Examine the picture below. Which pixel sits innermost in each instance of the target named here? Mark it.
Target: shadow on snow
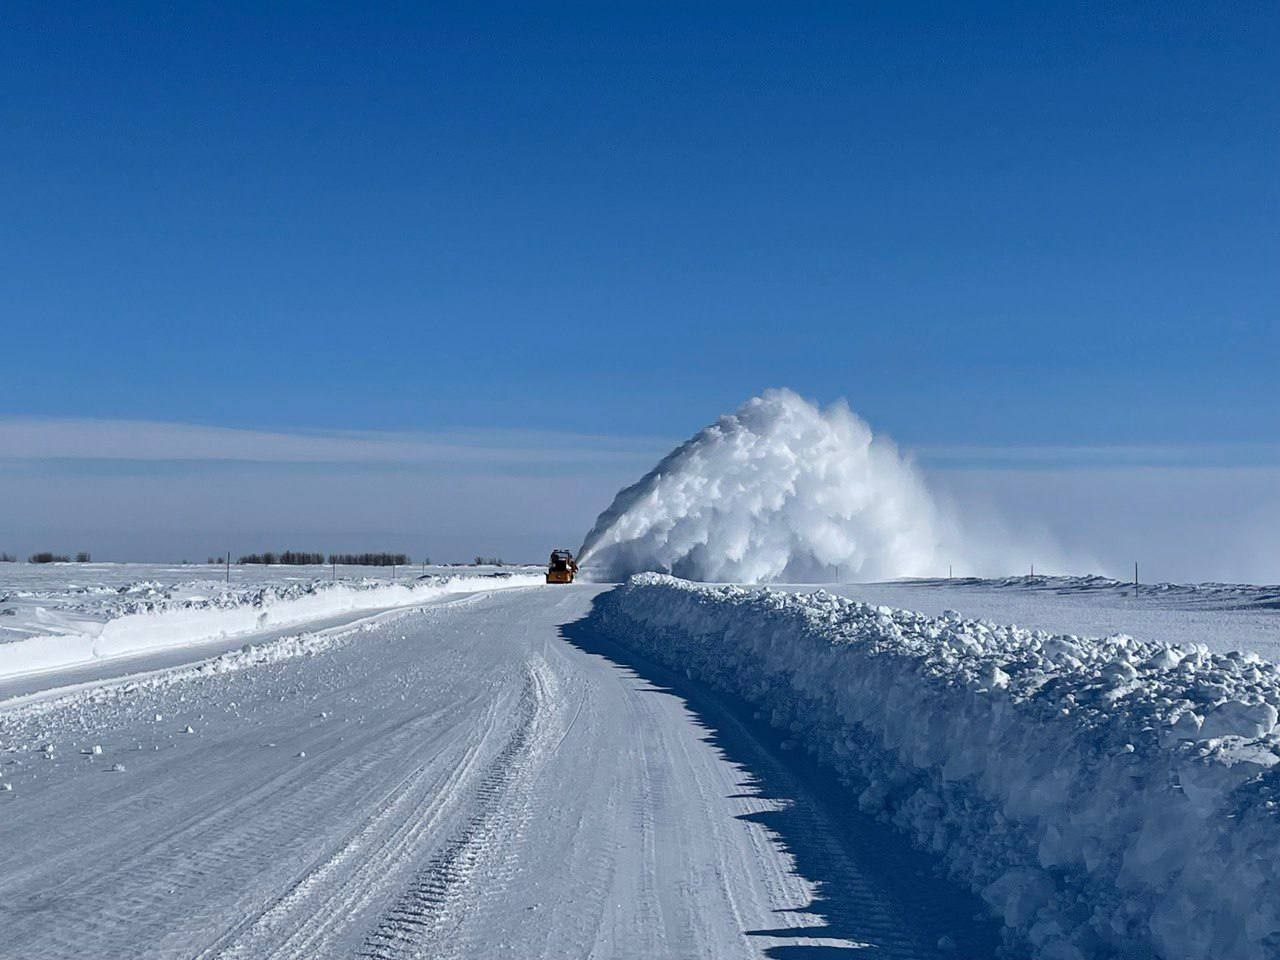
(855, 864)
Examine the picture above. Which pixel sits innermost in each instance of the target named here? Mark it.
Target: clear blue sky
(1003, 225)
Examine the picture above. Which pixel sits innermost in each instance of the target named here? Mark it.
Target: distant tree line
(290, 557)
(370, 559)
(7, 558)
(302, 557)
(488, 561)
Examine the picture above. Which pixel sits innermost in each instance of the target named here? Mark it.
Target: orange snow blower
(562, 567)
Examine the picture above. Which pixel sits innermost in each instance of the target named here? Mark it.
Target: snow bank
(150, 626)
(1107, 797)
(778, 490)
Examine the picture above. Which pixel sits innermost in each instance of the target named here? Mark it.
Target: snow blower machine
(562, 567)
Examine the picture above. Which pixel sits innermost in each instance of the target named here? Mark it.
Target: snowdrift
(1106, 797)
(236, 612)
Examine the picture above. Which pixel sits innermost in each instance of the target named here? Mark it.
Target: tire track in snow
(571, 917)
(429, 917)
(233, 840)
(300, 922)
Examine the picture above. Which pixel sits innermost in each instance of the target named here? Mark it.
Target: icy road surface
(476, 777)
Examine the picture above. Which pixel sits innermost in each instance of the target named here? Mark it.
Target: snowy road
(478, 777)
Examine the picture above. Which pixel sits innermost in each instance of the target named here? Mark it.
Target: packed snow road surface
(475, 777)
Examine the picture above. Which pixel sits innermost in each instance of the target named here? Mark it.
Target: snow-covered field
(55, 616)
(1223, 617)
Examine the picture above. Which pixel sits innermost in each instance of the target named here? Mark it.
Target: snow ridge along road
(482, 777)
(1108, 797)
(133, 629)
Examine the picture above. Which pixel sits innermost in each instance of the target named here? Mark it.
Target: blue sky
(1002, 227)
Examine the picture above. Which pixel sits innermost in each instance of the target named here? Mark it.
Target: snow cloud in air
(779, 490)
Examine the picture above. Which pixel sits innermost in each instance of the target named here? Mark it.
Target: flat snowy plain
(1223, 617)
(483, 772)
(56, 598)
(106, 619)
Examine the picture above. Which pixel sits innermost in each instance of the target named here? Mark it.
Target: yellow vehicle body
(562, 567)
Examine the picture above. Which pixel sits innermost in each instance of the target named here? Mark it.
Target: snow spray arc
(779, 490)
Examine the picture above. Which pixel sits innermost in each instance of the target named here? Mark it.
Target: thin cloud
(144, 440)
(1100, 457)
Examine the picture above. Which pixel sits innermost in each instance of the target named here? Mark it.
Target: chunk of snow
(1236, 719)
(995, 678)
(1164, 659)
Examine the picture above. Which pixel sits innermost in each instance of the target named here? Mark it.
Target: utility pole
(948, 571)
(335, 569)
(228, 566)
(1135, 573)
(1033, 569)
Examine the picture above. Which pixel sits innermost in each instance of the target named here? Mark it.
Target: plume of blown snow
(779, 490)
